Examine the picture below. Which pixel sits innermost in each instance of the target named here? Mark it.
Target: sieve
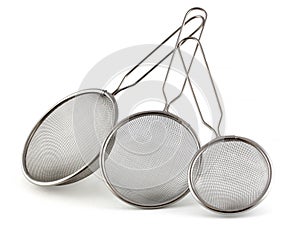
(230, 174)
(145, 158)
(63, 147)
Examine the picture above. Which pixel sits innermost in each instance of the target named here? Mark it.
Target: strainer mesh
(233, 175)
(69, 137)
(148, 162)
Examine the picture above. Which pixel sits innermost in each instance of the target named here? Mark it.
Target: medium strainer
(230, 174)
(64, 145)
(145, 158)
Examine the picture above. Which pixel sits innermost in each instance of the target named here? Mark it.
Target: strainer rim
(230, 138)
(118, 126)
(65, 179)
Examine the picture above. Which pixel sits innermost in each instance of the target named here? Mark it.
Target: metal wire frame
(84, 170)
(163, 113)
(220, 138)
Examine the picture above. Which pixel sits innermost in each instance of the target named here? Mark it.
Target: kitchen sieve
(63, 147)
(146, 156)
(230, 174)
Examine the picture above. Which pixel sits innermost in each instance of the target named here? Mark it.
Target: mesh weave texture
(70, 137)
(233, 175)
(147, 165)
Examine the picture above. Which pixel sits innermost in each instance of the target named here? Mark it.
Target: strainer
(230, 174)
(64, 145)
(145, 158)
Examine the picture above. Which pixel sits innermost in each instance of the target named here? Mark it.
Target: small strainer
(230, 174)
(64, 145)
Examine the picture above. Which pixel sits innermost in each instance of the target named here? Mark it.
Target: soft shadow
(91, 191)
(190, 207)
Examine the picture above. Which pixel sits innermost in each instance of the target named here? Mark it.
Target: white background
(46, 48)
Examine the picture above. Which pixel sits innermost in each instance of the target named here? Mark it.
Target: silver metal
(223, 196)
(120, 181)
(106, 145)
(216, 141)
(89, 166)
(119, 89)
(202, 11)
(191, 86)
(86, 168)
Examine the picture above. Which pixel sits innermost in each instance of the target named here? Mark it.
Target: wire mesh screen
(230, 175)
(147, 165)
(69, 137)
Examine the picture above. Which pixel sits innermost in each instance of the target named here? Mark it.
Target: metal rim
(86, 166)
(230, 138)
(120, 124)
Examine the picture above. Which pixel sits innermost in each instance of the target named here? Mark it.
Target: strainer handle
(216, 132)
(119, 89)
(202, 11)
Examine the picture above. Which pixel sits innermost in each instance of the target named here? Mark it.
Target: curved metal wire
(218, 191)
(69, 179)
(216, 132)
(167, 105)
(131, 119)
(119, 89)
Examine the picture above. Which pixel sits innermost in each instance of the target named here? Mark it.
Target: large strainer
(64, 145)
(230, 174)
(145, 158)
